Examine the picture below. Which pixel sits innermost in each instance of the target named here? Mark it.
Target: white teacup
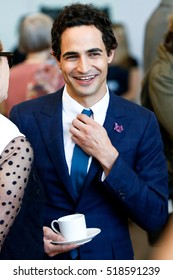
(72, 227)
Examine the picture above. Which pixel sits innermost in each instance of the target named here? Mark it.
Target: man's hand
(93, 139)
(51, 249)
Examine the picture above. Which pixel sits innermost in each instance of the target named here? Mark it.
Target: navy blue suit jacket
(135, 189)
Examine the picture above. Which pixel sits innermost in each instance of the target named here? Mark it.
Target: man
(127, 176)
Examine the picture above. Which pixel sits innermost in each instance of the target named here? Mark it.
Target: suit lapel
(116, 121)
(115, 125)
(50, 123)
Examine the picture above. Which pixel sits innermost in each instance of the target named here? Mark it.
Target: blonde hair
(1, 47)
(170, 23)
(122, 51)
(35, 33)
(168, 42)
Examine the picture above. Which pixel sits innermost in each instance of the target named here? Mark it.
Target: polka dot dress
(15, 165)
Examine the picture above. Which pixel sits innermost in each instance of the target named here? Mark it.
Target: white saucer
(91, 233)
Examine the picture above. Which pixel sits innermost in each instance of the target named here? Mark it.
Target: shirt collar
(72, 108)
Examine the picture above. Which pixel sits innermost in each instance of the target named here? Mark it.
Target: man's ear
(53, 54)
(59, 63)
(111, 55)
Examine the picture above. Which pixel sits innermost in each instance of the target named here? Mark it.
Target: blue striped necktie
(79, 163)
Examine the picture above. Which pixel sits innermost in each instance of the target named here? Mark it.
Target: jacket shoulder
(36, 103)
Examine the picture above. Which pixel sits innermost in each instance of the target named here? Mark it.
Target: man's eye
(94, 54)
(71, 57)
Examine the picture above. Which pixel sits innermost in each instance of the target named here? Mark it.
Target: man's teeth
(86, 78)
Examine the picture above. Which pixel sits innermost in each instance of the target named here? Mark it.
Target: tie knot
(87, 112)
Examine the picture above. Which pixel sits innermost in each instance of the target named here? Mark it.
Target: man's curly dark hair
(82, 14)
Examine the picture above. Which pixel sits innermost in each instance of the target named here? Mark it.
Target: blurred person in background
(39, 73)
(164, 246)
(157, 95)
(155, 31)
(124, 74)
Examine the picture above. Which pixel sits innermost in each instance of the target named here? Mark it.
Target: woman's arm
(15, 165)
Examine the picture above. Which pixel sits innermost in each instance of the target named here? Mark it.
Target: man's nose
(83, 65)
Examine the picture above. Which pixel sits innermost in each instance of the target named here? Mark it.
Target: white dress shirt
(71, 108)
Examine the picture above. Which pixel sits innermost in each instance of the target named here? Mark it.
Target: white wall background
(133, 13)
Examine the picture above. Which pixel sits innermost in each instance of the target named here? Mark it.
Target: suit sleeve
(142, 189)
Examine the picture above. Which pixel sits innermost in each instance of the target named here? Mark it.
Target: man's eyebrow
(94, 50)
(76, 53)
(69, 53)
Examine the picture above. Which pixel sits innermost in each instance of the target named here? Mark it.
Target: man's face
(84, 62)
